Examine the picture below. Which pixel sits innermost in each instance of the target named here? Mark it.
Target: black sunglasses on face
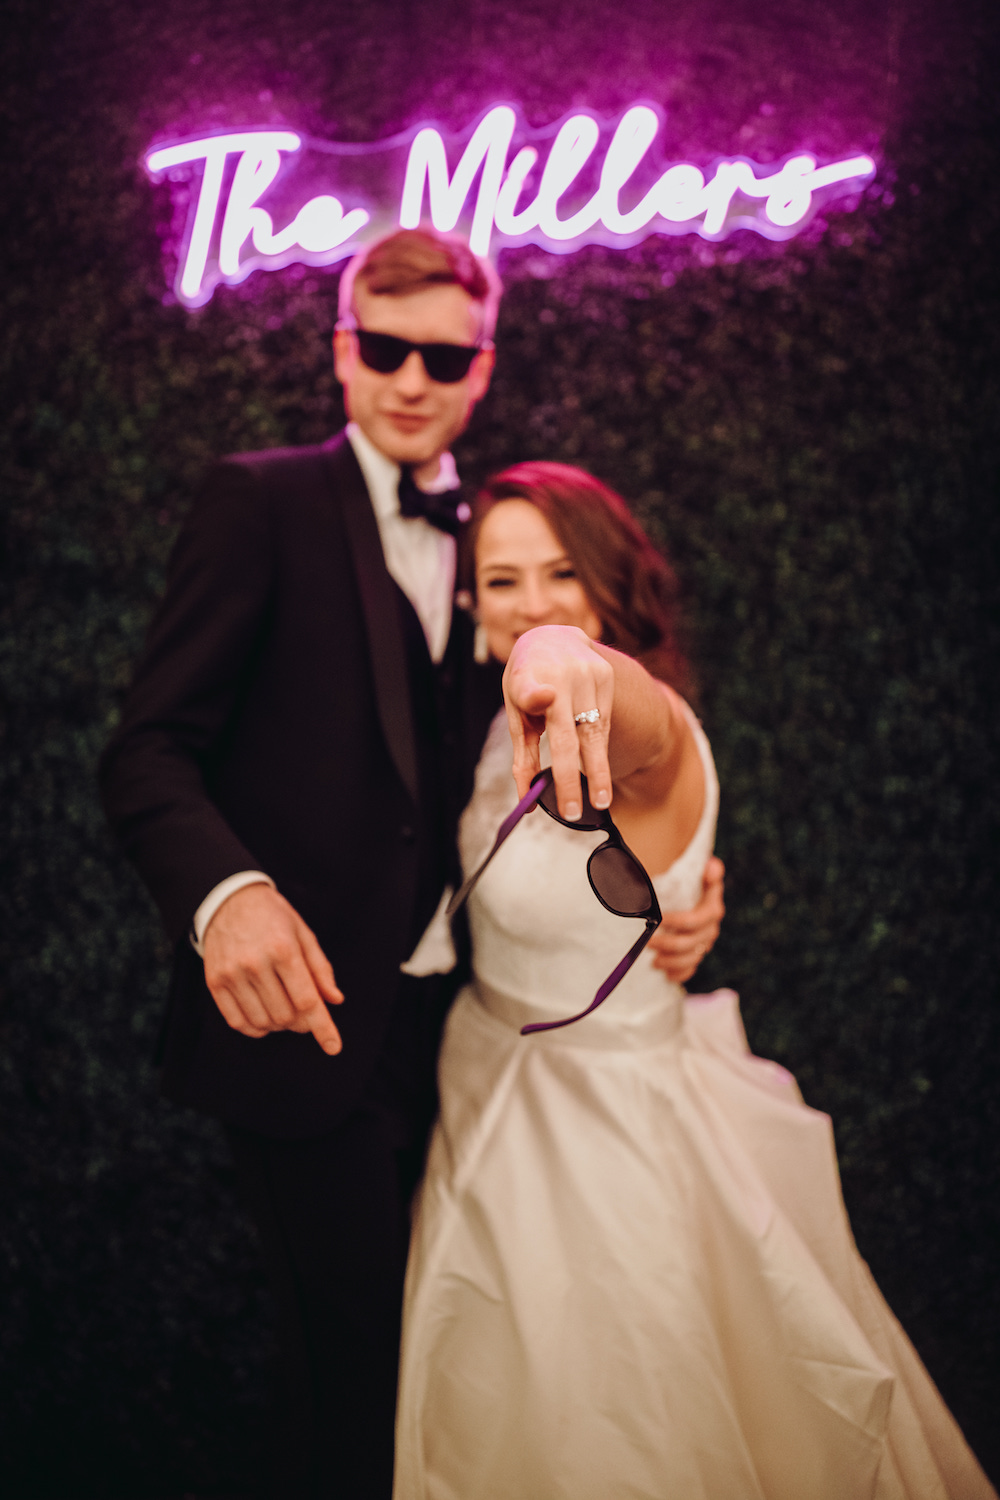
(445, 363)
(616, 877)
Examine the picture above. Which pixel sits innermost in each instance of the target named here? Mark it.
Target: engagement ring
(589, 716)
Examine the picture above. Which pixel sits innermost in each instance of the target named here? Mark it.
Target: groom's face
(406, 414)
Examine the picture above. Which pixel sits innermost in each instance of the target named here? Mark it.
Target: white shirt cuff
(217, 896)
(435, 953)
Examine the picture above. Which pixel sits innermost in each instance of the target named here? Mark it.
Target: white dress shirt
(421, 559)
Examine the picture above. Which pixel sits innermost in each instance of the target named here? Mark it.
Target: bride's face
(524, 578)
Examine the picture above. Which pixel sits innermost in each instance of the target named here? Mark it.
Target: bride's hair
(633, 589)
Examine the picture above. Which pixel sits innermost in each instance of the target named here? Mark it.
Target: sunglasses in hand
(616, 877)
(445, 363)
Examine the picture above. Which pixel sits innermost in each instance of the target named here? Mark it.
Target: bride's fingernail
(573, 811)
(601, 799)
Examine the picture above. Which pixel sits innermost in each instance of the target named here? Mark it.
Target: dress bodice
(542, 942)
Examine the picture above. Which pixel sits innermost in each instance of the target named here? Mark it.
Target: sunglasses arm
(613, 979)
(507, 827)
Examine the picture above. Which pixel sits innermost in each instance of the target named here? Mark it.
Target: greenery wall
(811, 429)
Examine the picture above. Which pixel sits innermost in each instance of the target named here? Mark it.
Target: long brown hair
(633, 589)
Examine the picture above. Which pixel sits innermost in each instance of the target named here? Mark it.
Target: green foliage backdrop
(811, 429)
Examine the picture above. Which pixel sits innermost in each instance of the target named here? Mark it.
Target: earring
(480, 645)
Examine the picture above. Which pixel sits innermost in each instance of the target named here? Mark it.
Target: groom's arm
(198, 653)
(266, 970)
(201, 648)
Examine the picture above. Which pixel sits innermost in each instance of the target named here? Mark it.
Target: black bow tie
(445, 510)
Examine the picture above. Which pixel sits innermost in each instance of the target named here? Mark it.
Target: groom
(287, 776)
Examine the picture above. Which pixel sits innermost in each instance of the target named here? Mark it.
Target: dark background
(812, 430)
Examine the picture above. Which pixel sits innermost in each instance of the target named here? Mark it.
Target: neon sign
(559, 204)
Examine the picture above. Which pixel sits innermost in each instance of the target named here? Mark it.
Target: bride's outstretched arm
(640, 749)
(631, 749)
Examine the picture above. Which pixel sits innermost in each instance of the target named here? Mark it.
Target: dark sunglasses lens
(590, 817)
(620, 881)
(381, 352)
(447, 363)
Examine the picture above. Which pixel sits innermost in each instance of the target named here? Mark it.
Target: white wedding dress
(632, 1276)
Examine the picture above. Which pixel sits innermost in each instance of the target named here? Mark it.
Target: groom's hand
(266, 971)
(684, 937)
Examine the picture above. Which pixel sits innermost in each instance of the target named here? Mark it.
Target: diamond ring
(589, 716)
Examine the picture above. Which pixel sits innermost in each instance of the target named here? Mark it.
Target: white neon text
(428, 163)
(318, 227)
(679, 201)
(680, 196)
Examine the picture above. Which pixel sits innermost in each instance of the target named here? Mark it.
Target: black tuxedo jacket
(270, 727)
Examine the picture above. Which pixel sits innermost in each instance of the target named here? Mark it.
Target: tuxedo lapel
(378, 604)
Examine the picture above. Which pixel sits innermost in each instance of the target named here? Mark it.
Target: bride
(632, 1275)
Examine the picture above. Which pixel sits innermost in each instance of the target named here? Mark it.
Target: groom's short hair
(409, 260)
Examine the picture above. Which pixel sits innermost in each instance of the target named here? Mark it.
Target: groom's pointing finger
(321, 1025)
(319, 965)
(310, 1009)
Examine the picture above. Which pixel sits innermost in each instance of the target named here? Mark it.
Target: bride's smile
(525, 579)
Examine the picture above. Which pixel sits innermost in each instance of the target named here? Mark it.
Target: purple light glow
(679, 201)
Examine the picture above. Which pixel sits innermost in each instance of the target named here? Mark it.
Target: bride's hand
(554, 673)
